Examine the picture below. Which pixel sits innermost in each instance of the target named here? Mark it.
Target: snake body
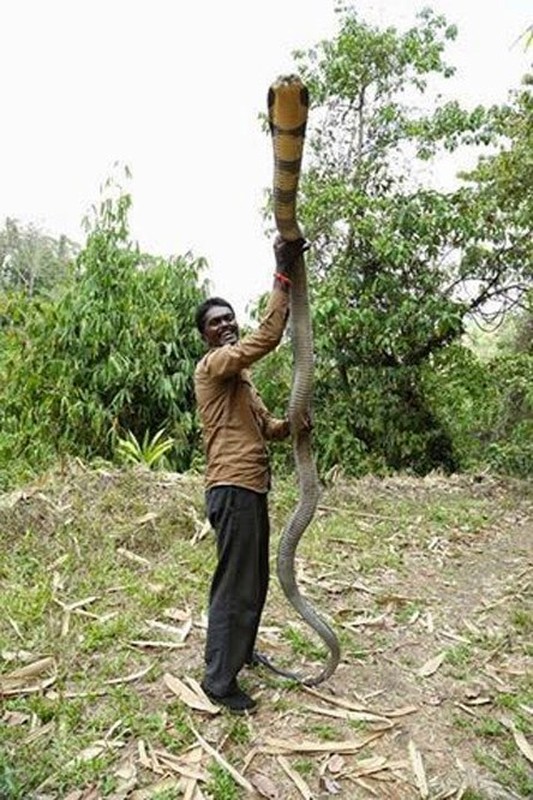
(287, 110)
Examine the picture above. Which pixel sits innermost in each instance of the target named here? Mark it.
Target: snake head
(288, 105)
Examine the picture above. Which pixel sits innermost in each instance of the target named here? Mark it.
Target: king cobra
(288, 104)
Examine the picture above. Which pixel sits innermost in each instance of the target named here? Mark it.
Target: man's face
(220, 327)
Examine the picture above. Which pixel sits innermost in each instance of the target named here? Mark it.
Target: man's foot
(237, 701)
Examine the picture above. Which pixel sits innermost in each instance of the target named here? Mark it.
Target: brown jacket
(235, 422)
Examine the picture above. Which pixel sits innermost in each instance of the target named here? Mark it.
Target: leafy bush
(114, 353)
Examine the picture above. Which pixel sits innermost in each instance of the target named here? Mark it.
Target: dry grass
(104, 576)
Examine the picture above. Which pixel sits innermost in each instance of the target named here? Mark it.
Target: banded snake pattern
(288, 103)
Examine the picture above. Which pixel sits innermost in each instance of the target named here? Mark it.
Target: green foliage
(151, 451)
(9, 785)
(510, 417)
(301, 644)
(221, 786)
(397, 266)
(504, 178)
(487, 406)
(113, 354)
(239, 731)
(96, 355)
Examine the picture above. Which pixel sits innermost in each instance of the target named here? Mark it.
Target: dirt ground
(441, 651)
(429, 584)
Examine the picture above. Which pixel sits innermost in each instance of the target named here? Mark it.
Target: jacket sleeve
(272, 428)
(230, 359)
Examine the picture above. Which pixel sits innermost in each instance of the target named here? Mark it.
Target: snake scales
(287, 111)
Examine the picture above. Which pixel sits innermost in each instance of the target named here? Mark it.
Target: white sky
(173, 89)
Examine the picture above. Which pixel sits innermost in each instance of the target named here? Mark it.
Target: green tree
(113, 354)
(32, 261)
(396, 266)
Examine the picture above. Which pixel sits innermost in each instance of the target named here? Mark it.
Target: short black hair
(204, 307)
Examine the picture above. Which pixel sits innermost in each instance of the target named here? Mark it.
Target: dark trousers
(239, 586)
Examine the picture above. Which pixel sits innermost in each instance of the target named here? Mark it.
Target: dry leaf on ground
(296, 778)
(335, 764)
(134, 676)
(156, 644)
(283, 746)
(431, 666)
(172, 630)
(520, 740)
(195, 699)
(19, 681)
(149, 792)
(264, 786)
(418, 769)
(236, 775)
(126, 777)
(344, 713)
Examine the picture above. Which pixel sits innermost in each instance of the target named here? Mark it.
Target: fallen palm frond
(223, 763)
(431, 666)
(19, 681)
(147, 758)
(85, 601)
(344, 713)
(418, 769)
(155, 644)
(344, 702)
(364, 622)
(39, 732)
(134, 676)
(180, 633)
(296, 778)
(368, 766)
(176, 764)
(143, 562)
(274, 746)
(192, 697)
(520, 740)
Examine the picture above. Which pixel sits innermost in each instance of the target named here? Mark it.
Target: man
(236, 426)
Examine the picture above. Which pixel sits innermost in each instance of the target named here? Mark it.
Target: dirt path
(445, 658)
